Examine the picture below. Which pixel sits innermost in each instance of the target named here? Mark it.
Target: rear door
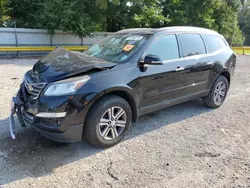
(198, 63)
(161, 84)
(216, 47)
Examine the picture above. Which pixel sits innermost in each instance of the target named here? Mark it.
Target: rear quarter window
(213, 43)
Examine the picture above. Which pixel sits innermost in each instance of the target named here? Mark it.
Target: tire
(211, 100)
(109, 131)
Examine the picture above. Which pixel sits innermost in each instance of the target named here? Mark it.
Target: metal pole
(50, 40)
(16, 38)
(81, 43)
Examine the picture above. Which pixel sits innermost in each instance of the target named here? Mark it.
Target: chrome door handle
(180, 69)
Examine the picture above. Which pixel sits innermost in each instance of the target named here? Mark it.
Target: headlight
(66, 87)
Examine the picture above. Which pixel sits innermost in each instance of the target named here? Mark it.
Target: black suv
(96, 94)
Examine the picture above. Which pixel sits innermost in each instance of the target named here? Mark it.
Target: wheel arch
(224, 73)
(122, 92)
(125, 95)
(227, 75)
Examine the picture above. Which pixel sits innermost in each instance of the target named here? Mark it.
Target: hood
(61, 63)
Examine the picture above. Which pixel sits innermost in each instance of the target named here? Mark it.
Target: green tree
(67, 15)
(189, 12)
(81, 17)
(243, 16)
(117, 14)
(219, 15)
(1, 12)
(226, 22)
(3, 17)
(244, 21)
(149, 14)
(21, 12)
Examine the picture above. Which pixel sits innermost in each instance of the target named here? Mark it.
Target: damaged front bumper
(59, 118)
(16, 108)
(45, 124)
(12, 122)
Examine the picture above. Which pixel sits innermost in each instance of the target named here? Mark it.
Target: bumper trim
(12, 126)
(51, 115)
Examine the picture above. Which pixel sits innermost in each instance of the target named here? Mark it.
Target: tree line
(82, 17)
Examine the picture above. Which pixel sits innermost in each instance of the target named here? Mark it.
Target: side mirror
(151, 60)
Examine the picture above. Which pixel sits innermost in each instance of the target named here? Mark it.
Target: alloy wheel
(112, 123)
(220, 93)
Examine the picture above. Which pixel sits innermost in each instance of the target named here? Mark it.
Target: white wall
(39, 37)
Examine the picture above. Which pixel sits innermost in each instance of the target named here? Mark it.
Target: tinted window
(213, 43)
(165, 47)
(192, 44)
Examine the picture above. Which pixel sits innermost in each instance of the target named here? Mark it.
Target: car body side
(130, 82)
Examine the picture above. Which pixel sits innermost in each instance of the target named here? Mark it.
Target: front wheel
(107, 121)
(218, 93)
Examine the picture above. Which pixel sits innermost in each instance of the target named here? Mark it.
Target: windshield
(117, 48)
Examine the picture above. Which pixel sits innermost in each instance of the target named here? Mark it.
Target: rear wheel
(218, 93)
(107, 121)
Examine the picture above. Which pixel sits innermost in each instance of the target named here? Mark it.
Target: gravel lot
(187, 145)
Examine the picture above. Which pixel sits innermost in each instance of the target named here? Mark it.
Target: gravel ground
(187, 145)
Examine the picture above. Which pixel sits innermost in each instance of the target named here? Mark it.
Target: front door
(160, 84)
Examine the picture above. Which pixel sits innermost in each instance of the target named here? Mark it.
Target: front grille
(34, 89)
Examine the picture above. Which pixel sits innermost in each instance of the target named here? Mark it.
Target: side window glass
(213, 43)
(165, 47)
(192, 44)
